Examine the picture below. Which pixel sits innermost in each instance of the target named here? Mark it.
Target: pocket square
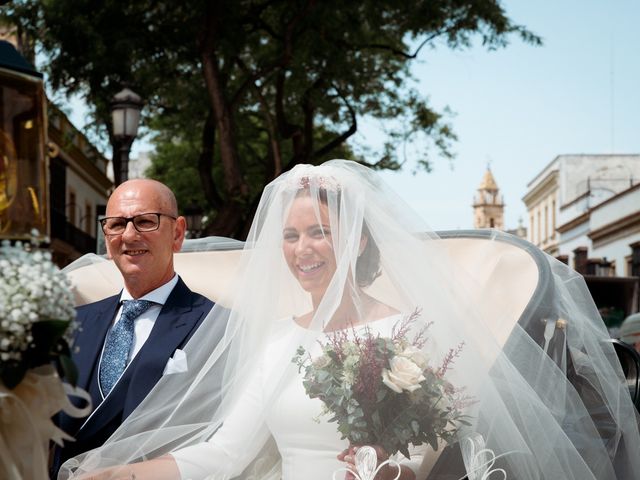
(177, 363)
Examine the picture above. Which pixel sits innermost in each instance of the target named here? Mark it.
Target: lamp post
(125, 117)
(194, 217)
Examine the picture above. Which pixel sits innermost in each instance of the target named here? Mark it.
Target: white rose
(416, 356)
(404, 375)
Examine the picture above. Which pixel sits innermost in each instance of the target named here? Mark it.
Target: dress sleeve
(234, 445)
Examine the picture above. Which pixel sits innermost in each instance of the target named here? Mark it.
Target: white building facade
(78, 189)
(584, 207)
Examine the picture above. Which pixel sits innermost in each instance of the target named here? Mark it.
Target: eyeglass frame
(102, 221)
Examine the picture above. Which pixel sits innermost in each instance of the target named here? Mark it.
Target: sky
(517, 108)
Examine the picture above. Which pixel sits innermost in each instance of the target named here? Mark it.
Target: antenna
(612, 89)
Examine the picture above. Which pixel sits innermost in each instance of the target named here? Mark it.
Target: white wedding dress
(307, 443)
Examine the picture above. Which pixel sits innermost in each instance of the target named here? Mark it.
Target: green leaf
(69, 369)
(415, 426)
(432, 439)
(404, 450)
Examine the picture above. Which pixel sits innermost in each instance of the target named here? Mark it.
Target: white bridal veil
(548, 396)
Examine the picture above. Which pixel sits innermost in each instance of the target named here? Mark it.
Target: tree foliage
(238, 91)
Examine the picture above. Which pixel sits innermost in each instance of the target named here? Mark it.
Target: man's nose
(130, 231)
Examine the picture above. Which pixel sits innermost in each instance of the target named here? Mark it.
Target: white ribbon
(479, 460)
(25, 422)
(366, 461)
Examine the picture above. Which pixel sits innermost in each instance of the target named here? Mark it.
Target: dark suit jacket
(179, 318)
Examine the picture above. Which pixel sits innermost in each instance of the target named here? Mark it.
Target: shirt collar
(159, 295)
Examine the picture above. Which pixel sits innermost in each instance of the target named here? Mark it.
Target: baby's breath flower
(33, 289)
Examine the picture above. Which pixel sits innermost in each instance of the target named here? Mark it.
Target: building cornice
(540, 175)
(579, 220)
(543, 188)
(624, 223)
(617, 196)
(582, 196)
(84, 167)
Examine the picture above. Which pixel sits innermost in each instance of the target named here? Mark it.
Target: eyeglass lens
(143, 223)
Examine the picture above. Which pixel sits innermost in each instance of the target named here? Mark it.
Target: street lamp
(125, 117)
(194, 217)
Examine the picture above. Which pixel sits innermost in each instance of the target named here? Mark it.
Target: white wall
(616, 246)
(85, 193)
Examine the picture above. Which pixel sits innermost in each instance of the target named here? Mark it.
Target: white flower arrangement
(36, 310)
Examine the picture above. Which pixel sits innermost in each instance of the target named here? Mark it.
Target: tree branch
(270, 123)
(288, 130)
(205, 163)
(353, 128)
(397, 51)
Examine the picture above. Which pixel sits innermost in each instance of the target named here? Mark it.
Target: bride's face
(307, 246)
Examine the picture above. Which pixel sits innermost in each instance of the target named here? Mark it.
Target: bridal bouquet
(383, 390)
(36, 311)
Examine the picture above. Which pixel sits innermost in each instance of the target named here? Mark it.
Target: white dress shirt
(144, 323)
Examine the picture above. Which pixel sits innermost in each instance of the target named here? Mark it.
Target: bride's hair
(368, 264)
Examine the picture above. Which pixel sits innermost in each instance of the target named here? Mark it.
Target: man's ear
(178, 233)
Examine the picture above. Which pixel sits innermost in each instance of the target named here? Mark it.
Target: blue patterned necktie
(118, 345)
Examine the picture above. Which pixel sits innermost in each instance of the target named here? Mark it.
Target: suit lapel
(173, 325)
(90, 338)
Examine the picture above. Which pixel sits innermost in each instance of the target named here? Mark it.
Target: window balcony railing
(62, 230)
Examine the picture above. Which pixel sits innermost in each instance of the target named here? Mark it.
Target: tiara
(309, 177)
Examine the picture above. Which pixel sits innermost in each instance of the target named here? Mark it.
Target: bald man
(124, 342)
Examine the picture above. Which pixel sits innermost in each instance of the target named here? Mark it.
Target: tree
(242, 90)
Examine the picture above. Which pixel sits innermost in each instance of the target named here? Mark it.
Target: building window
(553, 218)
(531, 229)
(492, 223)
(539, 229)
(635, 259)
(580, 260)
(546, 223)
(71, 208)
(601, 267)
(88, 219)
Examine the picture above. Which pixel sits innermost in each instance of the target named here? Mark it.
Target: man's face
(145, 259)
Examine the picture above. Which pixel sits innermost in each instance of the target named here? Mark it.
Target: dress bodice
(308, 444)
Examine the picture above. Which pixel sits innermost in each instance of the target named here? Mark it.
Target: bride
(332, 249)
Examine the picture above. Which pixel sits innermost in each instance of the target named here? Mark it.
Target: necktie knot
(132, 309)
(119, 342)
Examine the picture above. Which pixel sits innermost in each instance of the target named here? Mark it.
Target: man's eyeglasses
(145, 222)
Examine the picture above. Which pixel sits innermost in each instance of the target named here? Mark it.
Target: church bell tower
(488, 204)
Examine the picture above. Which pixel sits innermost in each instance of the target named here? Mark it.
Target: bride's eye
(289, 236)
(320, 232)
